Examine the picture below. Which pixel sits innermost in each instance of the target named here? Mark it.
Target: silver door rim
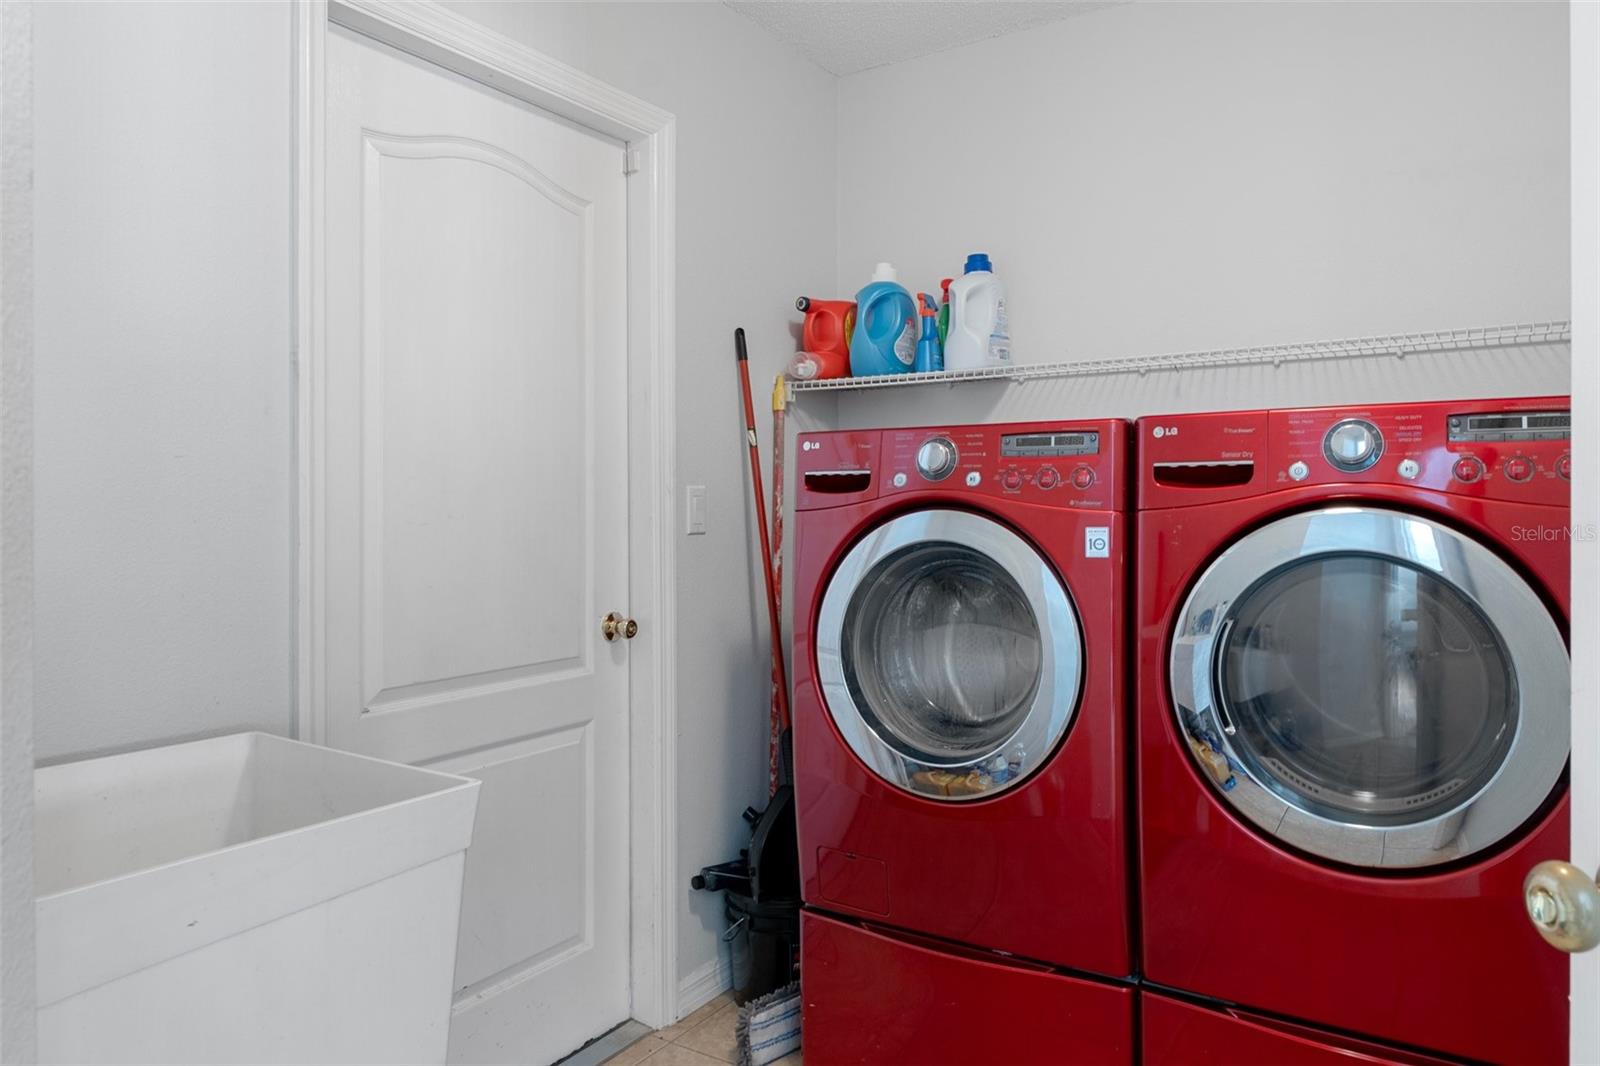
(1054, 702)
(1532, 765)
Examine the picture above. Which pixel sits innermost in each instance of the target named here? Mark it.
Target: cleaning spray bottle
(930, 353)
(944, 312)
(885, 338)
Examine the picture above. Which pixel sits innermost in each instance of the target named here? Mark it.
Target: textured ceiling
(848, 36)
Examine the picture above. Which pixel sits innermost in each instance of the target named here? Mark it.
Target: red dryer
(1353, 716)
(958, 743)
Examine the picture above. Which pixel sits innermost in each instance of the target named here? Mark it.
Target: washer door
(949, 654)
(1372, 687)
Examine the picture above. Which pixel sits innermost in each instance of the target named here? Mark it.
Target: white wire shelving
(1397, 344)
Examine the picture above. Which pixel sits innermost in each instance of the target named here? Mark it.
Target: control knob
(1352, 445)
(1519, 468)
(936, 459)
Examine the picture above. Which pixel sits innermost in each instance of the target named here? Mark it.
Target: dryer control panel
(1516, 449)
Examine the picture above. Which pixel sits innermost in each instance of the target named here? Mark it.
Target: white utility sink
(247, 899)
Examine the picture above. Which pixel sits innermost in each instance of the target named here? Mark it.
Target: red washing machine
(1353, 715)
(958, 743)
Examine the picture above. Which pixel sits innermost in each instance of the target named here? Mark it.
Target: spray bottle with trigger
(930, 352)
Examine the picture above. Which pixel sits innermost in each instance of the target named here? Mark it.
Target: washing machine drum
(950, 655)
(1372, 687)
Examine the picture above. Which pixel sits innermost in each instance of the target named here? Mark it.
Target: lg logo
(811, 445)
(1164, 431)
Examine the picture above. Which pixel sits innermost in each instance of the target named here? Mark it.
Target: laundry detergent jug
(826, 337)
(885, 340)
(980, 333)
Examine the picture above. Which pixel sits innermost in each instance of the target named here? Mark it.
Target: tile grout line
(722, 1003)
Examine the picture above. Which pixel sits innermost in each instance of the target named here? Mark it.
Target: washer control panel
(1058, 464)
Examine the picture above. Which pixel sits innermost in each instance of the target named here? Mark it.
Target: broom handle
(778, 670)
(780, 761)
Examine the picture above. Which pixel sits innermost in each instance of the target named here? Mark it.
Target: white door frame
(17, 1043)
(439, 36)
(1585, 89)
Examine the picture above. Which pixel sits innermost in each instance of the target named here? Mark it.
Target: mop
(769, 1025)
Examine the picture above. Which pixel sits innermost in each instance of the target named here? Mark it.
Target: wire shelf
(1397, 344)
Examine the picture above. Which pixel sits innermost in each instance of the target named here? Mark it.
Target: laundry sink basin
(247, 899)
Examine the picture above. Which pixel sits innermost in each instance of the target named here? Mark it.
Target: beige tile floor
(704, 1038)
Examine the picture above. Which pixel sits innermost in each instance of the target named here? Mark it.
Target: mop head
(769, 1026)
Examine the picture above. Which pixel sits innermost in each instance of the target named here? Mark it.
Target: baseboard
(704, 984)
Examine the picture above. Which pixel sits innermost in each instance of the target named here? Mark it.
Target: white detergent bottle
(980, 333)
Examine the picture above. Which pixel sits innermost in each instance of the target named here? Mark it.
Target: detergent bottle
(980, 333)
(825, 338)
(885, 339)
(930, 354)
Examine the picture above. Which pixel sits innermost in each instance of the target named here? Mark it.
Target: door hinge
(630, 160)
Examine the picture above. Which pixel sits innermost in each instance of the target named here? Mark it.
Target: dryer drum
(1387, 690)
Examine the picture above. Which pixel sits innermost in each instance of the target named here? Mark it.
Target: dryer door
(949, 654)
(1372, 687)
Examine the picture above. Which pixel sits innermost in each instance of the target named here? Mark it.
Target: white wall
(163, 391)
(1177, 176)
(165, 388)
(755, 218)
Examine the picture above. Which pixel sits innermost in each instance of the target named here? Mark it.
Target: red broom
(779, 674)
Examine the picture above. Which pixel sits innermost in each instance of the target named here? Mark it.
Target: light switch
(694, 511)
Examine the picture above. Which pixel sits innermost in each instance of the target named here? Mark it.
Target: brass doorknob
(1564, 905)
(613, 626)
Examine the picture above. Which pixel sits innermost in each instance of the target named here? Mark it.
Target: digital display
(1045, 445)
(1511, 426)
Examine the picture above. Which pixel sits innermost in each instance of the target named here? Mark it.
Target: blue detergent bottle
(885, 339)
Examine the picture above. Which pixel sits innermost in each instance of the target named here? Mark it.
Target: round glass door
(1372, 687)
(1333, 673)
(949, 654)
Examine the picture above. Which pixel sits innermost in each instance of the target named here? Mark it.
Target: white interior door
(1585, 500)
(476, 515)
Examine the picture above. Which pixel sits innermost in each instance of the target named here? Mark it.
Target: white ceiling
(849, 36)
